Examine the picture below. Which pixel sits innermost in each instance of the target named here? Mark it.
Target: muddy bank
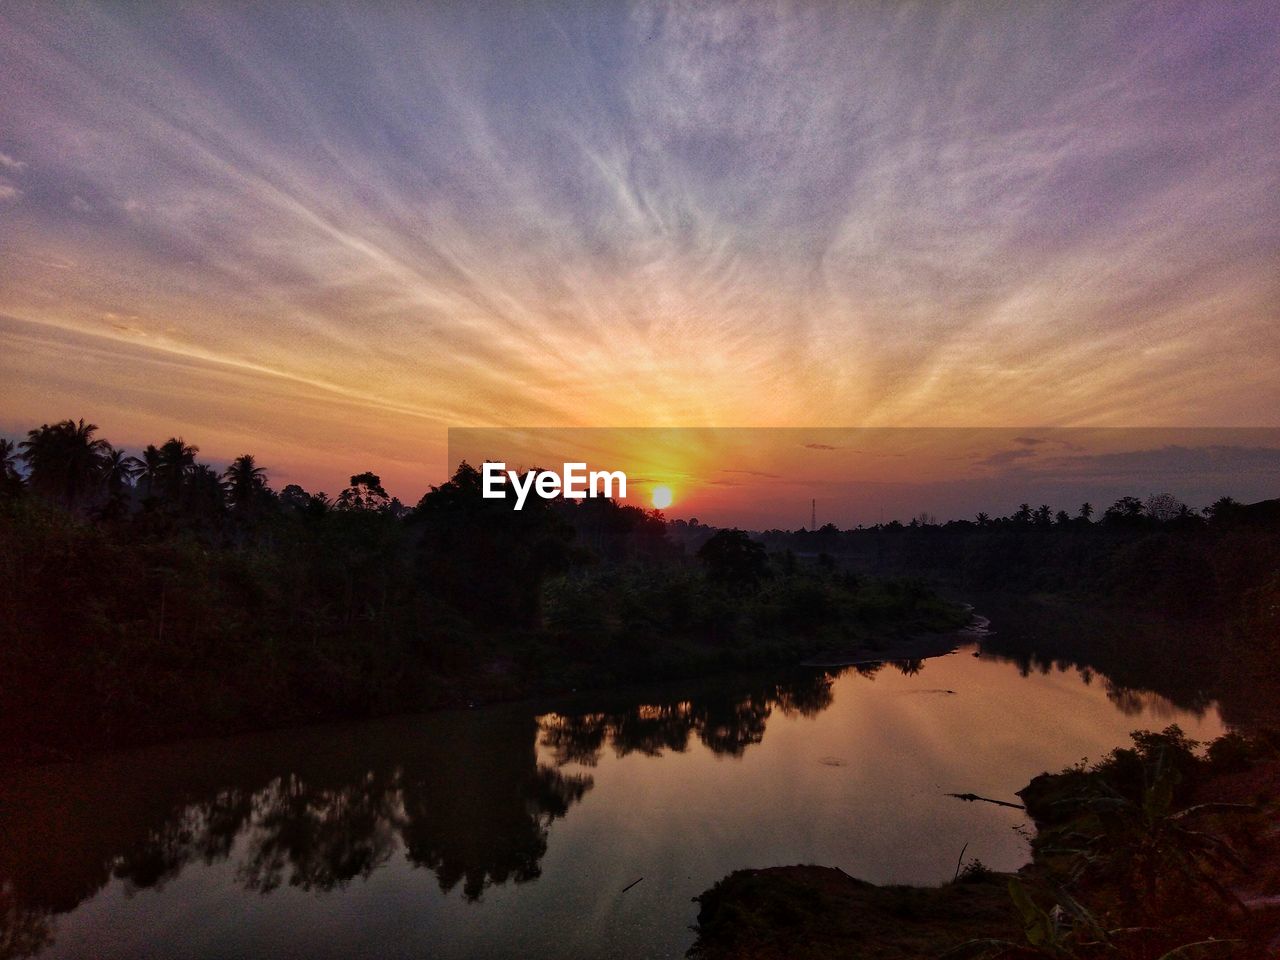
(1170, 843)
(816, 913)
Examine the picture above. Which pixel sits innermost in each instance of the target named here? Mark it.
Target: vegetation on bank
(1156, 555)
(1150, 593)
(1158, 851)
(154, 597)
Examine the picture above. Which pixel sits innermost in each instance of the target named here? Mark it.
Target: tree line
(155, 596)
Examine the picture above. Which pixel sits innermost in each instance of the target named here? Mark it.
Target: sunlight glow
(661, 496)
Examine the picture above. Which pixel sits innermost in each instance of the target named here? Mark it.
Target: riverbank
(1196, 662)
(138, 687)
(816, 913)
(1133, 813)
(915, 647)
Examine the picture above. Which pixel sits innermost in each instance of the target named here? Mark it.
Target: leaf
(1212, 808)
(1078, 910)
(1037, 925)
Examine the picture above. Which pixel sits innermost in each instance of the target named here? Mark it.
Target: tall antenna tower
(813, 514)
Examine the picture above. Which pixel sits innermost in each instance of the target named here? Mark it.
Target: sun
(661, 496)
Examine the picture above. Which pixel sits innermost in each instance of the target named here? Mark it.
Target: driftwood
(630, 885)
(970, 797)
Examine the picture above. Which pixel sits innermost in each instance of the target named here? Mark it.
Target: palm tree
(245, 482)
(64, 459)
(983, 519)
(175, 462)
(202, 491)
(117, 471)
(150, 471)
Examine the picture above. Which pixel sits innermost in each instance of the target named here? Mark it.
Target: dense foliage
(155, 597)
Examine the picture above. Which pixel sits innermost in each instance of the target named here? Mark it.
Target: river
(521, 830)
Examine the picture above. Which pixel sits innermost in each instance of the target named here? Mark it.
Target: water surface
(513, 831)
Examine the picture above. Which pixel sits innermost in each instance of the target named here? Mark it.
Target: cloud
(1004, 458)
(1041, 441)
(8, 191)
(820, 446)
(1170, 463)
(682, 213)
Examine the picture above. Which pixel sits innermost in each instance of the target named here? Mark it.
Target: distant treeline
(1149, 593)
(1153, 554)
(153, 596)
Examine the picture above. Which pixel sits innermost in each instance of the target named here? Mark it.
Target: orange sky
(326, 240)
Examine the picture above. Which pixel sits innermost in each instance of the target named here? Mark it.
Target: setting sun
(661, 496)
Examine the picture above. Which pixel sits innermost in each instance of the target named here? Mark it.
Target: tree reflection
(724, 719)
(1152, 688)
(321, 839)
(462, 795)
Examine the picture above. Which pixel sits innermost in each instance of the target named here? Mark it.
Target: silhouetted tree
(117, 471)
(483, 557)
(10, 479)
(1163, 507)
(295, 499)
(1125, 511)
(203, 496)
(168, 468)
(733, 558)
(64, 460)
(246, 486)
(365, 493)
(149, 475)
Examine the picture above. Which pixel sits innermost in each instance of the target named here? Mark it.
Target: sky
(791, 477)
(326, 234)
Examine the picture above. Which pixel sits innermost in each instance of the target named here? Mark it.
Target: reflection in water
(1173, 688)
(470, 797)
(468, 801)
(726, 721)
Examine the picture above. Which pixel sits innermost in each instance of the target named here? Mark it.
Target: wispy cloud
(1003, 458)
(709, 213)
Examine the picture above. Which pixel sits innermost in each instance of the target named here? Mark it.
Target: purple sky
(323, 234)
